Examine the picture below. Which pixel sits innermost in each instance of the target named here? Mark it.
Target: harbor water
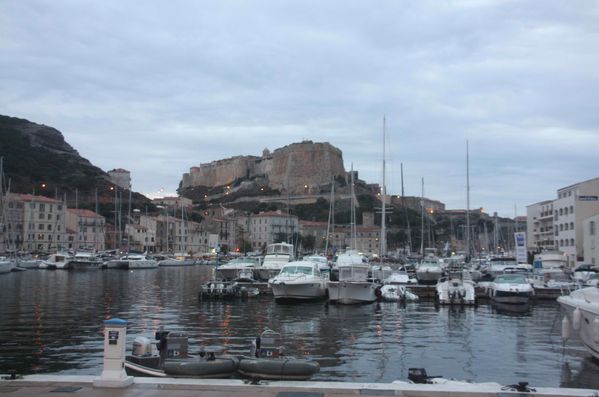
(51, 322)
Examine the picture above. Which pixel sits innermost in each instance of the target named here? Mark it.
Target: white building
(574, 204)
(539, 226)
(590, 239)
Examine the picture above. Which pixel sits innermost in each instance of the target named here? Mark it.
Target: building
(88, 228)
(34, 224)
(590, 240)
(121, 178)
(539, 228)
(271, 227)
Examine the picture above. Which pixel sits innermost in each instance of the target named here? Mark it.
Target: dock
(427, 292)
(79, 385)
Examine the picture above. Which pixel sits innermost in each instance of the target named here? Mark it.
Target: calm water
(51, 322)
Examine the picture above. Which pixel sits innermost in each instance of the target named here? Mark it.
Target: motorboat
(217, 289)
(353, 285)
(232, 269)
(429, 270)
(400, 276)
(170, 358)
(581, 309)
(277, 255)
(455, 289)
(511, 288)
(268, 360)
(56, 261)
(397, 293)
(299, 280)
(133, 261)
(177, 260)
(85, 260)
(583, 272)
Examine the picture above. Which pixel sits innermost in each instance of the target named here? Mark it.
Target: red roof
(37, 199)
(84, 213)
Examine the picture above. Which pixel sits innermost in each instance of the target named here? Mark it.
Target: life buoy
(565, 328)
(576, 317)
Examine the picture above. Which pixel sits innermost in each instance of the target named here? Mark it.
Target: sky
(158, 87)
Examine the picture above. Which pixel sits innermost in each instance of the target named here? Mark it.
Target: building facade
(88, 228)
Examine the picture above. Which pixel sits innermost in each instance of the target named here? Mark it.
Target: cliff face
(288, 169)
(35, 154)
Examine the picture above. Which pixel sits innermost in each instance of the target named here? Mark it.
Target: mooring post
(115, 337)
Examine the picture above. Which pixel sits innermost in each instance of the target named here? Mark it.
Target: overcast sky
(157, 87)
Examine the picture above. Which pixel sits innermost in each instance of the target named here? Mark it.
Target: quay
(427, 292)
(78, 385)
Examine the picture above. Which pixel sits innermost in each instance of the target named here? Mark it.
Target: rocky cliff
(292, 169)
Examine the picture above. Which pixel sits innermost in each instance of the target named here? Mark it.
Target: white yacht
(582, 315)
(132, 261)
(56, 261)
(455, 289)
(231, 270)
(353, 285)
(85, 260)
(430, 270)
(6, 265)
(299, 280)
(511, 288)
(277, 255)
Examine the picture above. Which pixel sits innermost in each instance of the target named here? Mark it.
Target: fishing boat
(170, 358)
(510, 288)
(267, 360)
(277, 255)
(299, 280)
(353, 285)
(581, 309)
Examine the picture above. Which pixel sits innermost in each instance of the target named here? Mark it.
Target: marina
(51, 323)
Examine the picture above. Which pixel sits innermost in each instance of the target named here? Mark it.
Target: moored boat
(299, 280)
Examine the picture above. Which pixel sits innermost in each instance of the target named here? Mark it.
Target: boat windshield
(287, 270)
(511, 279)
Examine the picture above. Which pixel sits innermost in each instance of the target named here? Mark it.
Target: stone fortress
(292, 169)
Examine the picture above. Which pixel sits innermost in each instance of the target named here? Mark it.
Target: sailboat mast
(383, 201)
(467, 201)
(422, 219)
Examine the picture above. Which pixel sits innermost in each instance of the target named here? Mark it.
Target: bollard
(115, 337)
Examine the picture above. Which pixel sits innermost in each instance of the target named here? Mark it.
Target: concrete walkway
(65, 386)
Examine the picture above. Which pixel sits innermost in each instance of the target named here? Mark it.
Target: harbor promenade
(57, 385)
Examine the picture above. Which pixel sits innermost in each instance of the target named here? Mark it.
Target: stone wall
(287, 169)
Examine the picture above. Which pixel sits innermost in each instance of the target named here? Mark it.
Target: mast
(403, 208)
(383, 248)
(353, 211)
(467, 202)
(331, 219)
(422, 219)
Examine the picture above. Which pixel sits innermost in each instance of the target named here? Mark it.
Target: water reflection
(52, 322)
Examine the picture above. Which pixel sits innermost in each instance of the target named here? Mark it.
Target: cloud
(157, 88)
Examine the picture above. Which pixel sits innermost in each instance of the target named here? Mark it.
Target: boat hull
(347, 293)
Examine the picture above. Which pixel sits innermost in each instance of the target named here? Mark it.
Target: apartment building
(270, 227)
(88, 229)
(34, 223)
(539, 228)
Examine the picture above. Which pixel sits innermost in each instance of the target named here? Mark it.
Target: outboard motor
(142, 346)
